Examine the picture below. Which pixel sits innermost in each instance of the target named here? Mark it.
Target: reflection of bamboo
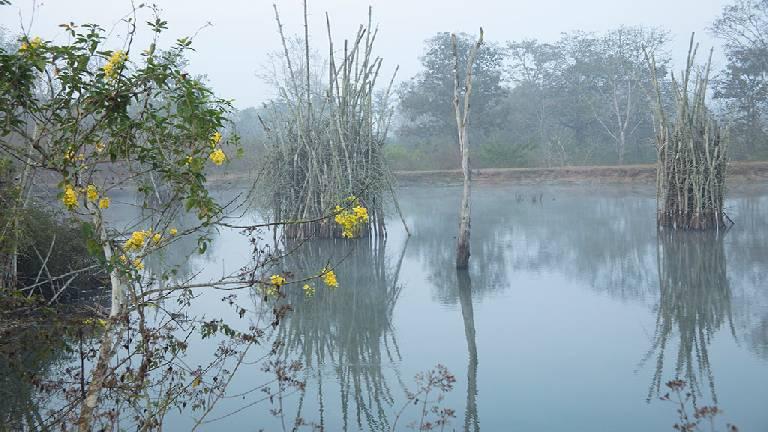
(695, 300)
(471, 420)
(349, 327)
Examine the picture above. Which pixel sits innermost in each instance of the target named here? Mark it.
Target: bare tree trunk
(462, 248)
(118, 288)
(462, 117)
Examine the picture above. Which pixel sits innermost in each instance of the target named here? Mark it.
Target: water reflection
(471, 421)
(30, 371)
(694, 304)
(18, 405)
(605, 239)
(587, 257)
(747, 251)
(601, 237)
(346, 332)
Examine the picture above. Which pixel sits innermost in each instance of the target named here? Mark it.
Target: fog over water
(235, 48)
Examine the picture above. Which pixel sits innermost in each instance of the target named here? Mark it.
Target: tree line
(582, 99)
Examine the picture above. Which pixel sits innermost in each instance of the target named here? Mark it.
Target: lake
(574, 314)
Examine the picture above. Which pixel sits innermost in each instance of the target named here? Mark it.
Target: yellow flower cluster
(70, 197)
(277, 280)
(218, 157)
(98, 321)
(136, 241)
(309, 290)
(329, 277)
(138, 264)
(138, 238)
(115, 61)
(70, 156)
(34, 43)
(91, 193)
(215, 138)
(351, 219)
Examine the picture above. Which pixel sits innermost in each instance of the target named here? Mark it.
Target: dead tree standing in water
(692, 153)
(462, 118)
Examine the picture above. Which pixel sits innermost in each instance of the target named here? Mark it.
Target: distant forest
(579, 100)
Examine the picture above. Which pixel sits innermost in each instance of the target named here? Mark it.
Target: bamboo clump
(324, 146)
(692, 153)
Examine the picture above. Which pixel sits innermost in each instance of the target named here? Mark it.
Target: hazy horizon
(236, 46)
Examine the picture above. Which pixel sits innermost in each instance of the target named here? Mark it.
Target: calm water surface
(572, 317)
(574, 314)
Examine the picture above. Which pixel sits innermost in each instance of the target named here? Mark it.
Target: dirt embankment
(737, 172)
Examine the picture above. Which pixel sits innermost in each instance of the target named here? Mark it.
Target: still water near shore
(573, 315)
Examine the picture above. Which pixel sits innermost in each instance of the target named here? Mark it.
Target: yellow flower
(136, 242)
(277, 280)
(34, 43)
(156, 238)
(173, 231)
(104, 203)
(351, 220)
(100, 147)
(361, 213)
(329, 277)
(215, 138)
(309, 290)
(218, 157)
(115, 61)
(70, 197)
(91, 193)
(137, 264)
(123, 259)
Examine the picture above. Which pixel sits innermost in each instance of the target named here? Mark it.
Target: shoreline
(738, 172)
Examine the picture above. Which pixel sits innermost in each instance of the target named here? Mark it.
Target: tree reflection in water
(694, 304)
(348, 329)
(471, 420)
(26, 357)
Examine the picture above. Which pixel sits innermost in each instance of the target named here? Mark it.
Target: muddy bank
(740, 172)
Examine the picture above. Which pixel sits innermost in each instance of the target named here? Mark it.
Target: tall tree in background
(610, 72)
(541, 110)
(425, 117)
(743, 85)
(462, 123)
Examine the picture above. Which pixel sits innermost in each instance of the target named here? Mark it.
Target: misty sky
(234, 49)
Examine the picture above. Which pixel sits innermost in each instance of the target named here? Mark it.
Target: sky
(234, 49)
